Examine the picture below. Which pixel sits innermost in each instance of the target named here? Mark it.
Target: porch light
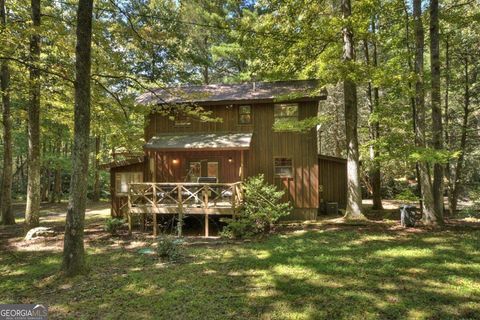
(230, 160)
(175, 161)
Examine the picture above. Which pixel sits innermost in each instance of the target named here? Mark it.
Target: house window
(285, 112)
(245, 114)
(181, 120)
(283, 167)
(212, 170)
(122, 179)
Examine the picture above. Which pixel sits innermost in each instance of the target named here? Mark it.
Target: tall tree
(374, 124)
(354, 195)
(34, 161)
(463, 140)
(96, 164)
(6, 213)
(437, 127)
(73, 251)
(420, 121)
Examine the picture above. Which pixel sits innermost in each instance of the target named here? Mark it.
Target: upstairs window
(283, 167)
(181, 120)
(284, 112)
(122, 179)
(245, 114)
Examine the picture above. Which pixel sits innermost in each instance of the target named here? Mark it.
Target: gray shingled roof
(191, 141)
(121, 163)
(259, 91)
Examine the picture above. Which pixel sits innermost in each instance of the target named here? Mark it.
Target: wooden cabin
(193, 166)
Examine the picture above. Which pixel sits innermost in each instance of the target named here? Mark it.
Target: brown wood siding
(119, 201)
(333, 178)
(229, 113)
(301, 189)
(167, 171)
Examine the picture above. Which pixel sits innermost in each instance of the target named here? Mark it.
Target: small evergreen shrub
(169, 247)
(407, 195)
(113, 224)
(262, 207)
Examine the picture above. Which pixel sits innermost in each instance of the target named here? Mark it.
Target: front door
(203, 168)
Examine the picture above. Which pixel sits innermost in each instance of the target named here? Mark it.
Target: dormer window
(245, 114)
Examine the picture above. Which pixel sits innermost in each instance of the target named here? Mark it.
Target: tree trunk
(57, 176)
(73, 251)
(354, 195)
(96, 184)
(33, 185)
(6, 213)
(57, 186)
(448, 166)
(413, 102)
(463, 142)
(206, 75)
(424, 170)
(437, 127)
(374, 128)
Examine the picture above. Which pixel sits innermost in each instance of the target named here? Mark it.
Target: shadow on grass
(311, 275)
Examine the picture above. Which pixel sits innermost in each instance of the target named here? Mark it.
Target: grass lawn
(330, 270)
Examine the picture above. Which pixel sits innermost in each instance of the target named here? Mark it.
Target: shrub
(169, 247)
(474, 196)
(113, 224)
(407, 195)
(262, 207)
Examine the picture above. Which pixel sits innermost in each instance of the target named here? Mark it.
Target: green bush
(262, 207)
(113, 224)
(407, 195)
(169, 247)
(474, 196)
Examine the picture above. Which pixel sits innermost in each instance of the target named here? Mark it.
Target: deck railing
(183, 198)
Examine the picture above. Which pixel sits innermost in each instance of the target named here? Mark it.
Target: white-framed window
(283, 112)
(283, 167)
(122, 179)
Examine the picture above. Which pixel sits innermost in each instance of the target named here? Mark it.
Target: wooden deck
(151, 198)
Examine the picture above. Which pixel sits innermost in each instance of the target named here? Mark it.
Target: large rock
(40, 232)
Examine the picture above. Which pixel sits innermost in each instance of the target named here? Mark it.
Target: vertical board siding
(333, 178)
(118, 201)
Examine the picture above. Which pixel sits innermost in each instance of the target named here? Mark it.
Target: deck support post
(155, 226)
(206, 226)
(242, 167)
(154, 207)
(129, 213)
(180, 210)
(129, 217)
